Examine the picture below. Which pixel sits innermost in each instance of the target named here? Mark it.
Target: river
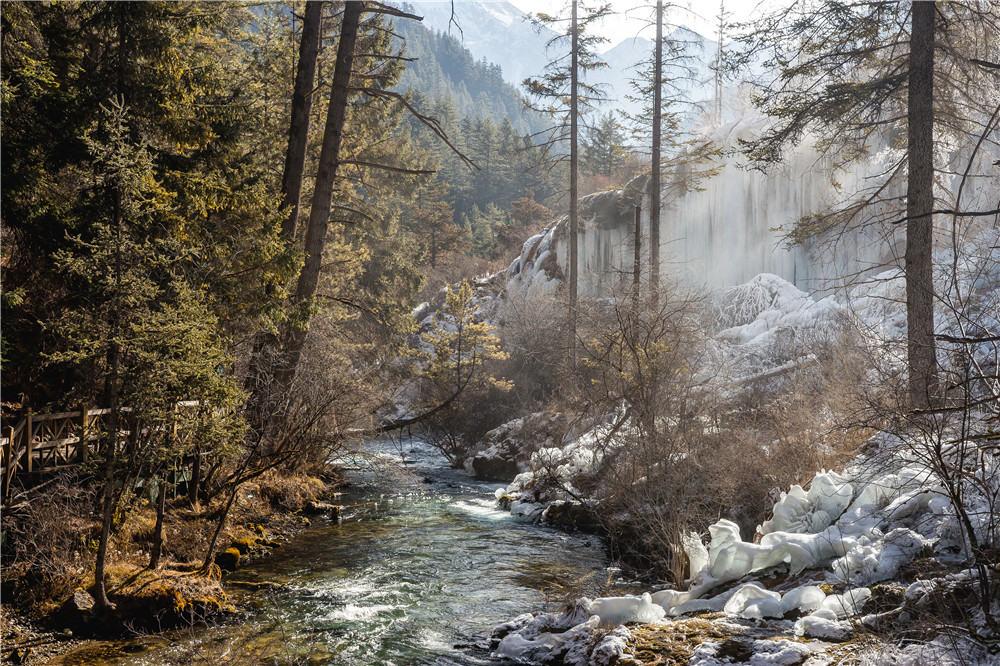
(418, 573)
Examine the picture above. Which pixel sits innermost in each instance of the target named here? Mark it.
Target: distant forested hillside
(444, 68)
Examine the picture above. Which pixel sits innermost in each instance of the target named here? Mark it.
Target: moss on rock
(166, 598)
(228, 560)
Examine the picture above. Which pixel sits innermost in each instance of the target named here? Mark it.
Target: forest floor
(47, 607)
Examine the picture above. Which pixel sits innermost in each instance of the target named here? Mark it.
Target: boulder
(497, 463)
(572, 516)
(504, 452)
(228, 560)
(81, 601)
(78, 611)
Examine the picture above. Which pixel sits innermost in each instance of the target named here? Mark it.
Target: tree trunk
(298, 133)
(111, 397)
(111, 388)
(574, 222)
(637, 254)
(107, 514)
(210, 552)
(194, 488)
(921, 357)
(654, 179)
(262, 364)
(161, 504)
(293, 338)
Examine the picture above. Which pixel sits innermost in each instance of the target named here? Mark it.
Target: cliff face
(721, 235)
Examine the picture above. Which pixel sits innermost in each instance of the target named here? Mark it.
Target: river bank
(47, 605)
(420, 567)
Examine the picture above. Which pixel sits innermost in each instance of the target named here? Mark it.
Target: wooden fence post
(29, 437)
(8, 461)
(84, 432)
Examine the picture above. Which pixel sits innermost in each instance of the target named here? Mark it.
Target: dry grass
(50, 544)
(672, 643)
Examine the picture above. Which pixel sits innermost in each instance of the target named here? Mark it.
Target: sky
(631, 16)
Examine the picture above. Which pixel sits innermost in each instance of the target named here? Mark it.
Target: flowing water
(418, 573)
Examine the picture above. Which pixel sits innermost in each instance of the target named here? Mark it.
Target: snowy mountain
(495, 31)
(499, 33)
(693, 77)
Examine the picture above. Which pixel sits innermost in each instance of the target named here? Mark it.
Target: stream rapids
(418, 572)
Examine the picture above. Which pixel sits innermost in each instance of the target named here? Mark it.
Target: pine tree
(562, 94)
(146, 332)
(604, 150)
(432, 222)
(855, 72)
(678, 161)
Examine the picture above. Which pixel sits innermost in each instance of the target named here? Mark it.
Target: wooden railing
(47, 442)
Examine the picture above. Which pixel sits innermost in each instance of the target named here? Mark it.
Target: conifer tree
(846, 74)
(604, 146)
(563, 94)
(432, 222)
(678, 161)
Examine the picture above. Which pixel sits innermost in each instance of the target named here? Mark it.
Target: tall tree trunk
(654, 179)
(637, 253)
(111, 383)
(262, 363)
(921, 357)
(298, 133)
(293, 338)
(574, 222)
(111, 399)
(161, 505)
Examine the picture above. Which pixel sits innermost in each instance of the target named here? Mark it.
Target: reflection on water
(418, 577)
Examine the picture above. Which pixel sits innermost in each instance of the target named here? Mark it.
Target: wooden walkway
(49, 442)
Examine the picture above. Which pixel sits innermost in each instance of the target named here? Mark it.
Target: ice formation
(852, 529)
(614, 611)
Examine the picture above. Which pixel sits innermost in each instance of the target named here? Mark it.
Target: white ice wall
(735, 227)
(731, 230)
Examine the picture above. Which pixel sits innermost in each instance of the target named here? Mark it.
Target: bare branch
(430, 122)
(386, 167)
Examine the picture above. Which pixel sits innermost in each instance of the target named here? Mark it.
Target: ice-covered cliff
(736, 225)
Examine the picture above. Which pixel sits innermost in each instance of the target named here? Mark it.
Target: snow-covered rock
(614, 611)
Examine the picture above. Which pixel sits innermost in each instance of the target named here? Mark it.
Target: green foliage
(431, 221)
(486, 227)
(139, 310)
(459, 346)
(549, 93)
(509, 163)
(604, 147)
(197, 191)
(485, 119)
(444, 69)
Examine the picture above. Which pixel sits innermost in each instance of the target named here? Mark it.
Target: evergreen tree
(847, 74)
(604, 147)
(562, 94)
(432, 223)
(678, 162)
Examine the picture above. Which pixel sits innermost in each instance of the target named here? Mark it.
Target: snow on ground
(848, 531)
